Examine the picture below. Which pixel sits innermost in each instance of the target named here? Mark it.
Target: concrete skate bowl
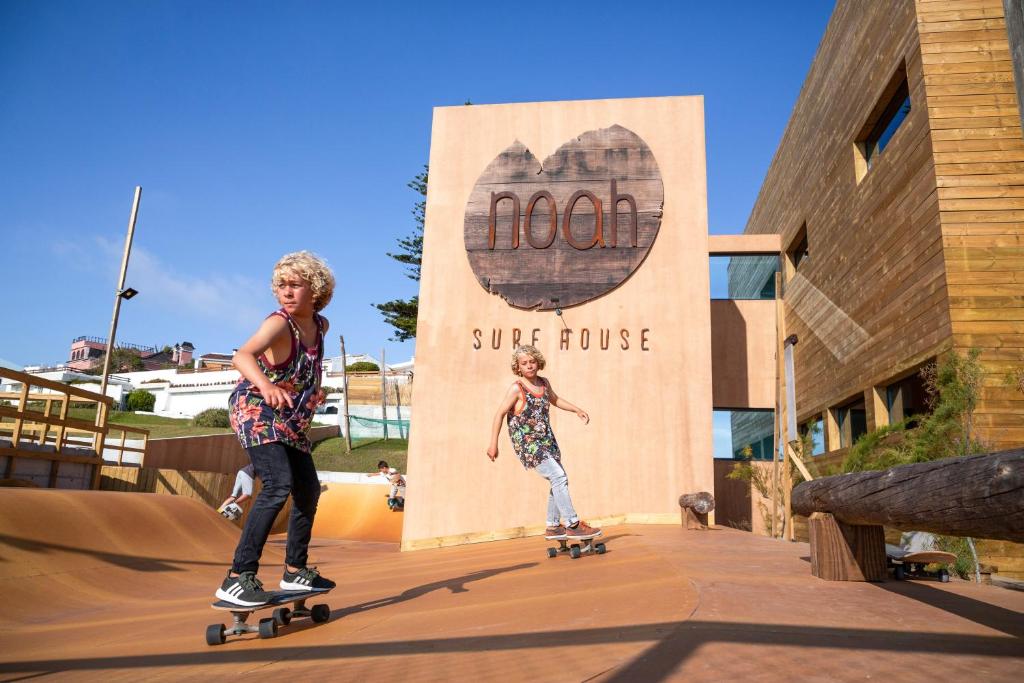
(357, 512)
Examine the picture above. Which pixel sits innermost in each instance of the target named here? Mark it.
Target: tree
(121, 360)
(401, 313)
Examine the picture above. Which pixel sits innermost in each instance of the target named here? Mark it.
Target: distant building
(215, 361)
(87, 353)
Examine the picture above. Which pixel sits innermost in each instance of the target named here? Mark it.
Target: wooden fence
(212, 488)
(36, 426)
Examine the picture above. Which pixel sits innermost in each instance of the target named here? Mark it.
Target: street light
(121, 293)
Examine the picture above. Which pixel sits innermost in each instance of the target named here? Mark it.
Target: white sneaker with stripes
(244, 590)
(305, 579)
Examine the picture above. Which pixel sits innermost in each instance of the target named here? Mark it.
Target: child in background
(242, 491)
(396, 498)
(271, 410)
(525, 407)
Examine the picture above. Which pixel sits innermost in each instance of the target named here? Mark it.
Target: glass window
(852, 419)
(893, 116)
(906, 398)
(737, 430)
(817, 429)
(743, 277)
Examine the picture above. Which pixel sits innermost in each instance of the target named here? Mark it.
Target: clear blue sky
(258, 128)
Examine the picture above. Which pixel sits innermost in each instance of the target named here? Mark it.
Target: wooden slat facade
(922, 253)
(980, 175)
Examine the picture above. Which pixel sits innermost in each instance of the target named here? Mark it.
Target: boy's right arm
(507, 404)
(272, 330)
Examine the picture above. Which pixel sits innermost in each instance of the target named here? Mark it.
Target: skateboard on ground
(911, 565)
(216, 634)
(569, 544)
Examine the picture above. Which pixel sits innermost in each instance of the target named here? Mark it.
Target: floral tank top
(257, 423)
(530, 429)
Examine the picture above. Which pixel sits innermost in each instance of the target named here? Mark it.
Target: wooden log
(846, 552)
(701, 503)
(694, 509)
(980, 496)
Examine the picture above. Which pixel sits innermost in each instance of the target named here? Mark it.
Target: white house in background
(186, 394)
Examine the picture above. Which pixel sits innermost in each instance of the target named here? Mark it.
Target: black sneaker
(307, 579)
(244, 590)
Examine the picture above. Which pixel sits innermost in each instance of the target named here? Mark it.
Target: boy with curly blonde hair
(525, 407)
(271, 410)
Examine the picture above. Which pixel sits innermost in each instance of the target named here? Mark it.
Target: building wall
(923, 254)
(979, 157)
(870, 301)
(649, 439)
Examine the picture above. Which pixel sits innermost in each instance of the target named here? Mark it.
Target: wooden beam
(980, 496)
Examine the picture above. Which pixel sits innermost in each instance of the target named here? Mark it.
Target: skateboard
(908, 565)
(567, 544)
(216, 634)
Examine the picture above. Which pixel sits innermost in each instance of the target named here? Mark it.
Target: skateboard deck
(576, 545)
(907, 564)
(216, 634)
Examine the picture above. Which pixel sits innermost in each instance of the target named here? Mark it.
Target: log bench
(694, 509)
(980, 496)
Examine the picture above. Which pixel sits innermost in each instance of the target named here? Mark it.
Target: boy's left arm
(559, 402)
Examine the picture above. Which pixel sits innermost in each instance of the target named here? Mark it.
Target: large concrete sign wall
(597, 210)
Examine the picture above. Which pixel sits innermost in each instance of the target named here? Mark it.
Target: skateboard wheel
(215, 634)
(268, 628)
(283, 616)
(552, 552)
(599, 549)
(320, 613)
(575, 552)
(899, 573)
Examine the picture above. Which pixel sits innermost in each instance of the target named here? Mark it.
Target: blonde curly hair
(527, 350)
(310, 268)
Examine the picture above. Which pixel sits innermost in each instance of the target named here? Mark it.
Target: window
(816, 426)
(743, 277)
(888, 115)
(737, 430)
(797, 253)
(852, 422)
(906, 397)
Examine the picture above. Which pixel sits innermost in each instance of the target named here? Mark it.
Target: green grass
(329, 455)
(159, 427)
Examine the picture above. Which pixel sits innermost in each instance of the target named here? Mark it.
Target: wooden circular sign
(558, 234)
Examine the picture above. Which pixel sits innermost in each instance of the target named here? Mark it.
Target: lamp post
(122, 293)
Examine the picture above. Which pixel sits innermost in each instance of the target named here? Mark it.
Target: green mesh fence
(364, 427)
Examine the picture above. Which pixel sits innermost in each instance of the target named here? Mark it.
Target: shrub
(363, 366)
(140, 399)
(212, 417)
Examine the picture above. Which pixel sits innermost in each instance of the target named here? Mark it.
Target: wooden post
(344, 382)
(398, 410)
(778, 404)
(846, 552)
(383, 395)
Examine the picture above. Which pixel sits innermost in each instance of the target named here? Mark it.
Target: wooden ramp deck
(117, 586)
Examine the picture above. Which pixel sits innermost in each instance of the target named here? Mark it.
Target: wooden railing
(36, 424)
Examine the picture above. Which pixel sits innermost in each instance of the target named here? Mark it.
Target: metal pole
(383, 395)
(117, 294)
(344, 369)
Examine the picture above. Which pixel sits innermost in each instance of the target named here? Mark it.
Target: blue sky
(259, 128)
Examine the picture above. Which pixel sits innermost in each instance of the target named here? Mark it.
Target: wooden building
(898, 190)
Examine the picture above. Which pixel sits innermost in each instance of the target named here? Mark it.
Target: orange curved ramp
(357, 512)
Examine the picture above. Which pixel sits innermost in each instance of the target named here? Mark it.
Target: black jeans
(282, 470)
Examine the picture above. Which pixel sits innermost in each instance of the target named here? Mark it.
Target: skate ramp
(357, 512)
(103, 547)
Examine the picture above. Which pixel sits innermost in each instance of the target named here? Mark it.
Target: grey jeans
(559, 502)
